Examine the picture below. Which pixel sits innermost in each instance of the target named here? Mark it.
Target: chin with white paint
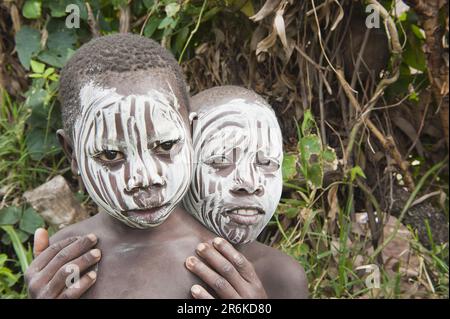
(133, 153)
(237, 179)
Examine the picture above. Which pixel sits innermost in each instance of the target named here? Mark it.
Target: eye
(109, 156)
(264, 162)
(165, 147)
(267, 163)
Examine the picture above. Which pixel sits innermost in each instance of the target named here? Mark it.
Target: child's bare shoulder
(282, 275)
(82, 228)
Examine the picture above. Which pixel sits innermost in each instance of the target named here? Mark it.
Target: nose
(144, 176)
(246, 183)
(243, 189)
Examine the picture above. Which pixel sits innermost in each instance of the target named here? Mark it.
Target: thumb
(40, 241)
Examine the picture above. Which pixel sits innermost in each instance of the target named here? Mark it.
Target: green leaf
(48, 72)
(291, 212)
(37, 67)
(10, 215)
(315, 174)
(27, 44)
(165, 22)
(31, 221)
(149, 3)
(19, 249)
(308, 123)
(356, 171)
(39, 145)
(172, 9)
(180, 39)
(23, 237)
(56, 58)
(32, 9)
(329, 155)
(35, 97)
(289, 167)
(308, 146)
(151, 26)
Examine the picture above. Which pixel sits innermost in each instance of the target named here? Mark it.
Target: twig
(193, 31)
(92, 22)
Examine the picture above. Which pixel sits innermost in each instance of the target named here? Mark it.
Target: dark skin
(157, 262)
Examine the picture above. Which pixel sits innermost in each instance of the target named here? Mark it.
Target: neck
(179, 224)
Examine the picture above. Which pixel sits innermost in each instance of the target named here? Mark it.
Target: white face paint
(134, 153)
(237, 179)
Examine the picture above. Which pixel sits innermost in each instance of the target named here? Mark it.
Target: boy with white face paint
(238, 153)
(236, 186)
(126, 133)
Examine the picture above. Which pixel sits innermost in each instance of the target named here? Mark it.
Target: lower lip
(150, 216)
(247, 220)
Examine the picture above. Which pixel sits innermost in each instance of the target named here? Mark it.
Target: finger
(76, 290)
(68, 253)
(71, 269)
(211, 278)
(40, 241)
(48, 254)
(242, 265)
(221, 265)
(198, 292)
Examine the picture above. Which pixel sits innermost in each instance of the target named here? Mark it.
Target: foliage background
(364, 114)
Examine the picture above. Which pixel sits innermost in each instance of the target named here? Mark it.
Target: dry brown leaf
(267, 9)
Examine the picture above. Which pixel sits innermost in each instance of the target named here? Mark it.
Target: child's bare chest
(143, 271)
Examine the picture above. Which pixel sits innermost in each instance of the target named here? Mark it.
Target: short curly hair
(107, 56)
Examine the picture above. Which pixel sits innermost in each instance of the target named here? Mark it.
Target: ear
(193, 116)
(67, 147)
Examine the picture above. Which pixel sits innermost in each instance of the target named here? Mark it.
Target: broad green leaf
(56, 58)
(32, 9)
(289, 167)
(165, 22)
(39, 145)
(308, 146)
(10, 215)
(35, 97)
(151, 26)
(27, 44)
(37, 67)
(31, 221)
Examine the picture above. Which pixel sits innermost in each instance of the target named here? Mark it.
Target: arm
(48, 273)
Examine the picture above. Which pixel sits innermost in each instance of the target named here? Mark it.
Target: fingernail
(201, 247)
(96, 253)
(218, 241)
(195, 290)
(190, 262)
(92, 237)
(92, 275)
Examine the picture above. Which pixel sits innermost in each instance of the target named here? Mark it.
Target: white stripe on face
(143, 187)
(237, 179)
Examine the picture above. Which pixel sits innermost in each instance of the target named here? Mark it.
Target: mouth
(147, 215)
(245, 215)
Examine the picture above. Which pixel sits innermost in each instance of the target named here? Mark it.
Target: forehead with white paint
(133, 152)
(237, 178)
